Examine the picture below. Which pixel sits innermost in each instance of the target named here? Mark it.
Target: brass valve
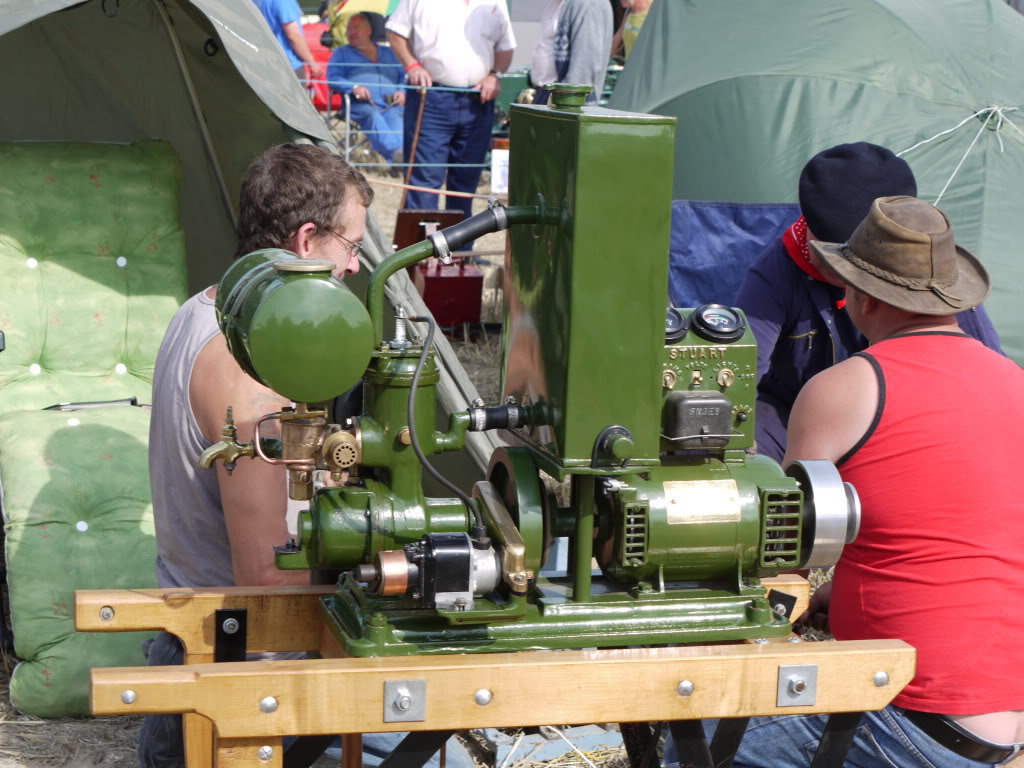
(228, 450)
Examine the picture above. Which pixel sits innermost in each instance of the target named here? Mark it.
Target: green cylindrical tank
(292, 326)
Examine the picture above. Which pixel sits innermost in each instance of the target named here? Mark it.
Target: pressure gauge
(716, 322)
(675, 326)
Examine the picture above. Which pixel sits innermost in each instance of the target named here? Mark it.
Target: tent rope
(989, 112)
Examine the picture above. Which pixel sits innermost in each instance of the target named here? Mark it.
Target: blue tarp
(713, 244)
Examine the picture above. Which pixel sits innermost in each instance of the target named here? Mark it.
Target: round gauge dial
(717, 322)
(675, 326)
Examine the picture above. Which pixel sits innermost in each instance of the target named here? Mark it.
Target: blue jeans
(884, 739)
(382, 125)
(162, 741)
(456, 128)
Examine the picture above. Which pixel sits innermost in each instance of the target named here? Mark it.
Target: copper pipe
(392, 572)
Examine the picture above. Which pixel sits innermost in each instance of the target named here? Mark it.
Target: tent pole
(198, 113)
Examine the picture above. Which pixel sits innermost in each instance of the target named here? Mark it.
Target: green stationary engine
(645, 415)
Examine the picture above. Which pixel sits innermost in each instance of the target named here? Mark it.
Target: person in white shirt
(445, 45)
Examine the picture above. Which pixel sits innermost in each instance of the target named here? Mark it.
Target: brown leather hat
(903, 254)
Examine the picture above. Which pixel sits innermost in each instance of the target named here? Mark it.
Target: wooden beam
(530, 688)
(245, 753)
(279, 618)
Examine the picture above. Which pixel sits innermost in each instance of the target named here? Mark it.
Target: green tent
(760, 87)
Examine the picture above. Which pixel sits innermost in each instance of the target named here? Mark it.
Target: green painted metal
(376, 626)
(681, 535)
(384, 507)
(279, 324)
(715, 362)
(585, 307)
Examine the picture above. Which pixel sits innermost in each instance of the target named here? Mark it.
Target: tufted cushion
(77, 516)
(93, 260)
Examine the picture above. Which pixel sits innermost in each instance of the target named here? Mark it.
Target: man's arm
(490, 86)
(417, 73)
(298, 43)
(254, 496)
(833, 412)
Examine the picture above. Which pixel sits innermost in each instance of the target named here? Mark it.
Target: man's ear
(301, 243)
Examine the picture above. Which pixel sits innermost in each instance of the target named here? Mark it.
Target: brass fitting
(228, 450)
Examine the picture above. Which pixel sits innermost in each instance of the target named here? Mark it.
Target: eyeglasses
(352, 249)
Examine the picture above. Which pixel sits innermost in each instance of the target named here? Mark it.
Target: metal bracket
(798, 685)
(780, 600)
(229, 634)
(405, 701)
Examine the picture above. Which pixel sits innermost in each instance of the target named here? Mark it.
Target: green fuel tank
(292, 326)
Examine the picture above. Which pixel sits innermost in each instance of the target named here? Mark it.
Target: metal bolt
(483, 697)
(268, 705)
(479, 403)
(685, 688)
(780, 609)
(265, 753)
(795, 639)
(403, 703)
(230, 626)
(881, 679)
(761, 640)
(797, 685)
(106, 613)
(128, 697)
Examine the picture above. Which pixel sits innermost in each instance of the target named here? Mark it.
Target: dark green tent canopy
(760, 87)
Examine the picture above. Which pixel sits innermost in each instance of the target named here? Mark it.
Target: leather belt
(956, 739)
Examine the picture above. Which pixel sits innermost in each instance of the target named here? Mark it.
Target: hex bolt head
(483, 697)
(128, 697)
(265, 753)
(268, 705)
(685, 688)
(780, 609)
(106, 613)
(403, 703)
(795, 639)
(881, 679)
(797, 685)
(761, 640)
(230, 626)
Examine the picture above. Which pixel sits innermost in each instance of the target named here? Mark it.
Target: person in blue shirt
(285, 20)
(372, 77)
(796, 307)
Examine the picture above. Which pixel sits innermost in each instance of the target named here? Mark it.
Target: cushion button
(121, 369)
(121, 261)
(35, 369)
(31, 263)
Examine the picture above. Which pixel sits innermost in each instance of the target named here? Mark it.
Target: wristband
(411, 67)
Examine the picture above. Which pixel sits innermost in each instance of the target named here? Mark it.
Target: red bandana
(795, 241)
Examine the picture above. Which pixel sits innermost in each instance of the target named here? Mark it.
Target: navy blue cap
(838, 185)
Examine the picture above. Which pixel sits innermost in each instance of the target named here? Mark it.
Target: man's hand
(398, 98)
(419, 77)
(816, 615)
(361, 93)
(316, 70)
(489, 88)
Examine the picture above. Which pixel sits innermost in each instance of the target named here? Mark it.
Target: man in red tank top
(925, 424)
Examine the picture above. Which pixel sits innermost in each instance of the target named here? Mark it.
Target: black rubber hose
(468, 230)
(479, 533)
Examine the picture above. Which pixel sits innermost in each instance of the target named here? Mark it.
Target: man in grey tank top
(213, 529)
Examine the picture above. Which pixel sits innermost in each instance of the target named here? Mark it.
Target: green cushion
(93, 259)
(77, 516)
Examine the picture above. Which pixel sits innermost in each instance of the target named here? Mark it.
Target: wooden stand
(237, 713)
